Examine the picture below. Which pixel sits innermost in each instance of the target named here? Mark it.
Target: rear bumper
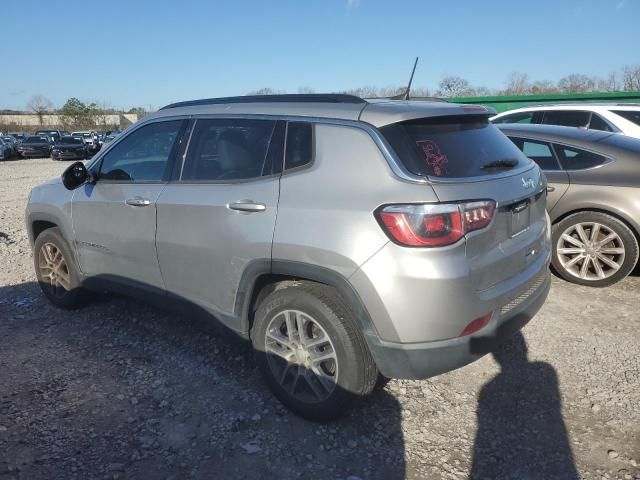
(68, 155)
(34, 154)
(424, 360)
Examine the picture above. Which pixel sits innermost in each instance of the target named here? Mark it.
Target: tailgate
(516, 236)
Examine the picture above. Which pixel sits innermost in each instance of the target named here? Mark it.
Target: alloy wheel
(301, 356)
(53, 269)
(590, 251)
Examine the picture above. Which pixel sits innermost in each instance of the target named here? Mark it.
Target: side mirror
(75, 175)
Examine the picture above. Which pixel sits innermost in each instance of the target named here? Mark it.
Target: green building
(504, 103)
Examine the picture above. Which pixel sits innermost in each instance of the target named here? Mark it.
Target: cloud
(352, 4)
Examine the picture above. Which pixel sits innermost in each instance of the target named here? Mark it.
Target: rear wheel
(594, 249)
(56, 271)
(311, 352)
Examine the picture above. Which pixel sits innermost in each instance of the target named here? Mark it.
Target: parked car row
(59, 144)
(593, 194)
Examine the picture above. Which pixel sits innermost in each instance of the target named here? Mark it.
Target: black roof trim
(286, 98)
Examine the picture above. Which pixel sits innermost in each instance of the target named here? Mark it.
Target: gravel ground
(122, 390)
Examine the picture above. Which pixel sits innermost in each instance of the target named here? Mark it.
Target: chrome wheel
(590, 251)
(301, 356)
(53, 269)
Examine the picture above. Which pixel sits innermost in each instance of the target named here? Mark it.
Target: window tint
(522, 117)
(299, 144)
(568, 118)
(143, 155)
(598, 123)
(451, 147)
(539, 152)
(71, 140)
(230, 149)
(576, 159)
(631, 115)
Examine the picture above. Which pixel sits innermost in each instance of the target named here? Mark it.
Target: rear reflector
(434, 225)
(477, 324)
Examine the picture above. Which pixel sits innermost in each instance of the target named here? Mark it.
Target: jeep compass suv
(345, 238)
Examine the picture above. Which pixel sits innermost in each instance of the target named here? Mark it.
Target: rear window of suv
(452, 147)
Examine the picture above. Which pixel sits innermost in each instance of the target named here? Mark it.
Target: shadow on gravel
(521, 432)
(120, 390)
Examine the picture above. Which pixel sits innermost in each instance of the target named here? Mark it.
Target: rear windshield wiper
(502, 164)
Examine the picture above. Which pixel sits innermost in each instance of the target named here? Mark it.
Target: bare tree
(417, 92)
(306, 90)
(631, 78)
(265, 91)
(40, 106)
(484, 92)
(576, 83)
(98, 112)
(609, 84)
(517, 84)
(542, 86)
(453, 86)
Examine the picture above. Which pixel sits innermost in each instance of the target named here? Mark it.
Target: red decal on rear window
(432, 155)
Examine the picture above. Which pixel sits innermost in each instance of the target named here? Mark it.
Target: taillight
(434, 225)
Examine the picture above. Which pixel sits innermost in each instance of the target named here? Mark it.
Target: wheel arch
(263, 277)
(617, 214)
(38, 223)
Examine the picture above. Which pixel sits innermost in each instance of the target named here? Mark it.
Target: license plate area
(520, 218)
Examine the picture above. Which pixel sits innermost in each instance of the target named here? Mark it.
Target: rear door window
(578, 159)
(452, 147)
(631, 115)
(521, 117)
(567, 118)
(539, 152)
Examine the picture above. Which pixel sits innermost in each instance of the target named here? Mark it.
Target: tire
(64, 289)
(607, 263)
(351, 373)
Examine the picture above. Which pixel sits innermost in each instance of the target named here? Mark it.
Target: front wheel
(56, 271)
(311, 351)
(593, 249)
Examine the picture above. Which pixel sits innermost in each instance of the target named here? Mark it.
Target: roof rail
(285, 98)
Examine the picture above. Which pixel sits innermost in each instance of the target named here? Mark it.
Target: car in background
(620, 118)
(55, 135)
(70, 148)
(12, 143)
(19, 136)
(5, 150)
(110, 137)
(35, 147)
(90, 138)
(593, 198)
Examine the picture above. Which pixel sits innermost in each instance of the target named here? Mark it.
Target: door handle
(138, 202)
(247, 206)
(550, 189)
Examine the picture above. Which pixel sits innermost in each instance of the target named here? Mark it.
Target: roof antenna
(406, 93)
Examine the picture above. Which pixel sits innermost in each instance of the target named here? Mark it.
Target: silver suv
(345, 238)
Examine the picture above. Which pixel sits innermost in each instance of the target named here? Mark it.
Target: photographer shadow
(521, 433)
